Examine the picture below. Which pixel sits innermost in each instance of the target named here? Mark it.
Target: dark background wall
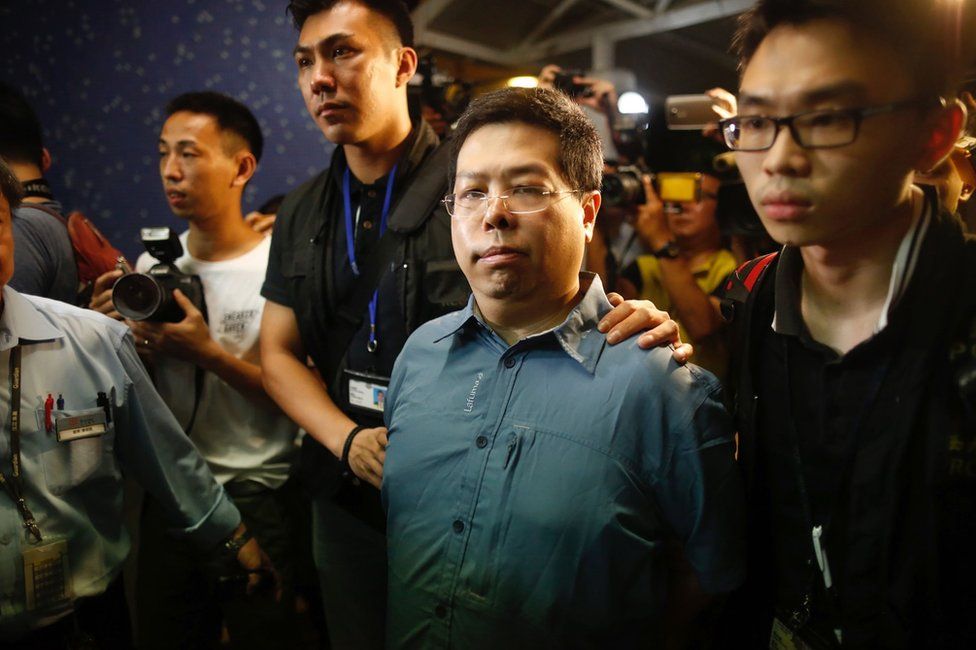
(99, 73)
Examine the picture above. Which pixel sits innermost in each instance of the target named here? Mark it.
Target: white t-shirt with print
(238, 437)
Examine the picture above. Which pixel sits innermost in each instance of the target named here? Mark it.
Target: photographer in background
(45, 264)
(597, 98)
(209, 375)
(688, 258)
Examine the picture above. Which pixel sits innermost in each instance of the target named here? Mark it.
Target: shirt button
(440, 611)
(367, 224)
(458, 526)
(510, 362)
(481, 441)
(371, 193)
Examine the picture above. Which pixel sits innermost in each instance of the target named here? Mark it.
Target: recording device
(690, 112)
(624, 188)
(149, 296)
(447, 96)
(565, 81)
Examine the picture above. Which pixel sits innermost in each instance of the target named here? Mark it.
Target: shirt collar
(577, 334)
(787, 318)
(23, 323)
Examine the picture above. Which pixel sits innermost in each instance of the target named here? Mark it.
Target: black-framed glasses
(824, 129)
(518, 200)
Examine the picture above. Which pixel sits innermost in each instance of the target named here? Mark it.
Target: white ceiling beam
(626, 29)
(464, 47)
(631, 7)
(555, 14)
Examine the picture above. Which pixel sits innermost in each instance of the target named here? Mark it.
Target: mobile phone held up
(690, 112)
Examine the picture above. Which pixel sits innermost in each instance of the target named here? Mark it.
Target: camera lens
(137, 296)
(622, 189)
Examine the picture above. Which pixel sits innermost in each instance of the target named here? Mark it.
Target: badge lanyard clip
(373, 344)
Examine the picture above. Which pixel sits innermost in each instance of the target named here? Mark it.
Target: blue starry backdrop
(99, 74)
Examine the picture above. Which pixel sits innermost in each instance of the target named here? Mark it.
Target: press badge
(46, 576)
(366, 392)
(81, 426)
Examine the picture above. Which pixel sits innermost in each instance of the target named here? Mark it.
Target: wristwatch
(231, 546)
(668, 251)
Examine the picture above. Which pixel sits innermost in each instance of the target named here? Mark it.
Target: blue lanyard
(351, 242)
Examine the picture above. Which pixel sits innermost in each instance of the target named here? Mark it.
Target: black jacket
(921, 584)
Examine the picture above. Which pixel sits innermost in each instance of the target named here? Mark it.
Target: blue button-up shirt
(74, 488)
(532, 489)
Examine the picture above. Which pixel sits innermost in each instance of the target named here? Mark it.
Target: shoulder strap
(43, 208)
(420, 199)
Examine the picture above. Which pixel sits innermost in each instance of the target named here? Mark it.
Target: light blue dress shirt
(75, 488)
(532, 490)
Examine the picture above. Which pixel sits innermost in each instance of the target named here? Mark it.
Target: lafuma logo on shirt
(469, 401)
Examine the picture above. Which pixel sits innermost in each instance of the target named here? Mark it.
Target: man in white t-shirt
(208, 372)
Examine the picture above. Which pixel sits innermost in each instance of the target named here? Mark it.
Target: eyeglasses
(811, 130)
(518, 200)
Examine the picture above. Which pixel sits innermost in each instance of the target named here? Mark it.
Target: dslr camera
(625, 189)
(149, 296)
(565, 81)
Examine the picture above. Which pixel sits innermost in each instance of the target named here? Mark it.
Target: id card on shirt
(47, 582)
(367, 392)
(83, 425)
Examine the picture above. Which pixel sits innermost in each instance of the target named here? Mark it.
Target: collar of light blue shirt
(22, 322)
(577, 334)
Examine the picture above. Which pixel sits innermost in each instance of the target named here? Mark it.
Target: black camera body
(565, 81)
(149, 296)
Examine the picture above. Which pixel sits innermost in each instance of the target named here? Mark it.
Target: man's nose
(786, 157)
(323, 77)
(497, 215)
(171, 167)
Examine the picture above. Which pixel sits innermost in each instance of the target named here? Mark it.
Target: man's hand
(547, 76)
(632, 317)
(101, 300)
(725, 106)
(261, 223)
(650, 223)
(188, 339)
(257, 564)
(367, 454)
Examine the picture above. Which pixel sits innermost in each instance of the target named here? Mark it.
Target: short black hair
(916, 30)
(395, 11)
(230, 114)
(10, 187)
(580, 150)
(20, 130)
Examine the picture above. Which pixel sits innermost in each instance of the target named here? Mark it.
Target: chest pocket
(79, 462)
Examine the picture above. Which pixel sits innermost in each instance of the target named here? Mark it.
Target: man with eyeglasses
(854, 346)
(541, 485)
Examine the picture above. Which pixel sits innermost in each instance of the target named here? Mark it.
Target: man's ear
(407, 65)
(945, 127)
(591, 205)
(45, 160)
(247, 164)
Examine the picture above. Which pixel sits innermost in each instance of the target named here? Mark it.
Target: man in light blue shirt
(542, 486)
(81, 413)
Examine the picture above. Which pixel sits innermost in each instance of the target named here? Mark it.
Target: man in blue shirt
(539, 483)
(62, 462)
